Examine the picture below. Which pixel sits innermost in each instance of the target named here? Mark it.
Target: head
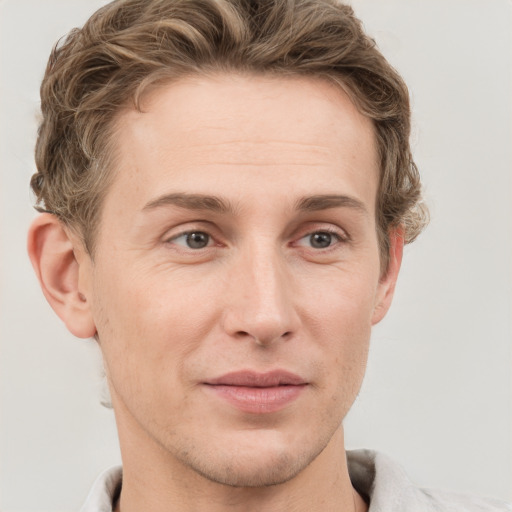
(128, 48)
(229, 185)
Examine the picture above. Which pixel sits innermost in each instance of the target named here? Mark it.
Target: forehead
(294, 133)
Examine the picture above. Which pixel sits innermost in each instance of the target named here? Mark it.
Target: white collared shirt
(382, 482)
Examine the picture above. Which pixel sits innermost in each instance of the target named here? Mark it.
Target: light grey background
(438, 393)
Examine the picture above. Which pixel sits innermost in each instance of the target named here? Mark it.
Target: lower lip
(258, 400)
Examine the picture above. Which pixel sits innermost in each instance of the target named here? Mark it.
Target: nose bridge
(261, 301)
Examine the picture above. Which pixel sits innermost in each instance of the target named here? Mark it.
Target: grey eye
(193, 240)
(320, 240)
(197, 240)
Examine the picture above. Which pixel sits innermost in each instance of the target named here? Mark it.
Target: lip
(258, 393)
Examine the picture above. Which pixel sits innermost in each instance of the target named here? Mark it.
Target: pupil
(197, 240)
(321, 240)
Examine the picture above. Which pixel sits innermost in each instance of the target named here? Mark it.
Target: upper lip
(249, 378)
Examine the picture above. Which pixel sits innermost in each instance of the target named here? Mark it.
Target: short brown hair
(129, 45)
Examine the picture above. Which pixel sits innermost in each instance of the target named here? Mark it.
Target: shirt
(381, 482)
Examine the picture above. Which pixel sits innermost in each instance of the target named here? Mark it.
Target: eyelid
(198, 226)
(173, 239)
(188, 226)
(339, 233)
(340, 239)
(318, 228)
(303, 241)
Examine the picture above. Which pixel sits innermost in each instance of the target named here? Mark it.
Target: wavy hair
(128, 46)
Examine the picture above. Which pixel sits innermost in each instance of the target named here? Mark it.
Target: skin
(260, 295)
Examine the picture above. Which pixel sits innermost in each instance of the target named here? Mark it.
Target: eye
(193, 240)
(320, 239)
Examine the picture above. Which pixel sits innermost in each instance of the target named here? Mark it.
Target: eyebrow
(219, 205)
(191, 202)
(324, 202)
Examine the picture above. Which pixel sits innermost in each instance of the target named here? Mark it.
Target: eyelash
(188, 233)
(339, 238)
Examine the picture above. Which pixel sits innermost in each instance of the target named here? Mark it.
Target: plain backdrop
(437, 395)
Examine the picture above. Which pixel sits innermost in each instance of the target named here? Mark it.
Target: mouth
(258, 393)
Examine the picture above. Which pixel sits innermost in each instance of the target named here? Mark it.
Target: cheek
(343, 302)
(340, 321)
(142, 319)
(348, 344)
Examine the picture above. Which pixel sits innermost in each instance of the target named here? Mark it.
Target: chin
(251, 473)
(253, 464)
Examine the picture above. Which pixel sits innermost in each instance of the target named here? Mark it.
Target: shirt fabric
(382, 483)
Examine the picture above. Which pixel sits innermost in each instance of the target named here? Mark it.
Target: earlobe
(52, 253)
(386, 287)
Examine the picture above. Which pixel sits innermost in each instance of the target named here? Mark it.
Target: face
(236, 273)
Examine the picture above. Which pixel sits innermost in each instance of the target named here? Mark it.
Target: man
(227, 188)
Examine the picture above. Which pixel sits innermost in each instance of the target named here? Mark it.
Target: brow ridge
(220, 205)
(324, 202)
(190, 202)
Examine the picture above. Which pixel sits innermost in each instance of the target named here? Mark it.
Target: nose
(260, 299)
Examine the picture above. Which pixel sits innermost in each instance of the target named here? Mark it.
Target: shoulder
(386, 486)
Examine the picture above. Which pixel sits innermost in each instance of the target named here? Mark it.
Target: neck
(154, 481)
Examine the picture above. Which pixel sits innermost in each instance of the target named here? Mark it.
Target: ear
(386, 286)
(53, 253)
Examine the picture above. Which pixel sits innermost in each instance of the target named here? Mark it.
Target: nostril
(263, 339)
